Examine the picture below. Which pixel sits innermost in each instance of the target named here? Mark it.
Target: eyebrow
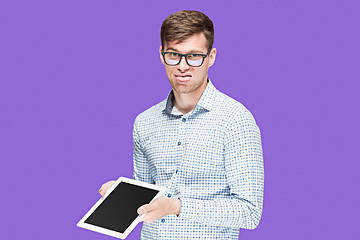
(191, 51)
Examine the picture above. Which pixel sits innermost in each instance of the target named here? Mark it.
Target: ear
(161, 57)
(212, 56)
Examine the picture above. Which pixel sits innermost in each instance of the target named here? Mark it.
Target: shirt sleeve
(141, 168)
(244, 171)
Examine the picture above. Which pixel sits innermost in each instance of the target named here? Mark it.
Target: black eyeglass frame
(185, 56)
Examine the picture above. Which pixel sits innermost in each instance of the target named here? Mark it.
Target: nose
(183, 66)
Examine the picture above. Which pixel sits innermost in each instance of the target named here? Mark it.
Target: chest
(194, 147)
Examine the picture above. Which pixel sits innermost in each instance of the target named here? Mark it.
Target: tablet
(115, 213)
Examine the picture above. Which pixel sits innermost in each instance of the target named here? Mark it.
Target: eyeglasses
(192, 59)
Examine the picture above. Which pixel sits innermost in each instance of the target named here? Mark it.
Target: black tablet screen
(118, 210)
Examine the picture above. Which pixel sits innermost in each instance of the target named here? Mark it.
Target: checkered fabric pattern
(210, 158)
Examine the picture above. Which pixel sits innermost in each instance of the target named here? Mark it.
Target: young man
(202, 145)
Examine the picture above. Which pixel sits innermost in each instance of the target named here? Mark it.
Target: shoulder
(237, 120)
(151, 114)
(231, 109)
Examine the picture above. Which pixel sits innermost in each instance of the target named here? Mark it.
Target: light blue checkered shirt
(210, 158)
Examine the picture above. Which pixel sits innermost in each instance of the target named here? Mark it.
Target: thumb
(149, 207)
(144, 208)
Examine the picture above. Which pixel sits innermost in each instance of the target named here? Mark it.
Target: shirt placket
(180, 145)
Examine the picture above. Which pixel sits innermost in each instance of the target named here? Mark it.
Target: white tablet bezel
(112, 233)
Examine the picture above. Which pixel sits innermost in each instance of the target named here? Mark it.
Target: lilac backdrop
(71, 85)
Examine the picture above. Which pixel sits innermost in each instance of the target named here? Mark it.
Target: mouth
(183, 78)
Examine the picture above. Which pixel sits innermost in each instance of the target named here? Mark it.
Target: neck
(186, 102)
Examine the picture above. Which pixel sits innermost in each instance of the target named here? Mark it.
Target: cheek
(200, 73)
(169, 72)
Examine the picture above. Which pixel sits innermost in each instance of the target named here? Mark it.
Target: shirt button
(179, 143)
(169, 195)
(162, 220)
(184, 119)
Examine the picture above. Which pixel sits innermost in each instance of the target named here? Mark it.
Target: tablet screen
(119, 210)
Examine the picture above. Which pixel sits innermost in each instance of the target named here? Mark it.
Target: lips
(182, 78)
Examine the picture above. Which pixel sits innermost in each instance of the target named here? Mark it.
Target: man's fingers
(143, 209)
(102, 193)
(149, 217)
(105, 187)
(148, 207)
(102, 190)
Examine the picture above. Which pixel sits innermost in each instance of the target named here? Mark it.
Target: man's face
(183, 78)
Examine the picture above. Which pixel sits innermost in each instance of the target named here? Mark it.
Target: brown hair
(181, 25)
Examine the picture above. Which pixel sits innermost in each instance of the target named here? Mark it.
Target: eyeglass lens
(174, 59)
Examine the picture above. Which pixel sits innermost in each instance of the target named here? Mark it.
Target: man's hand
(159, 208)
(106, 187)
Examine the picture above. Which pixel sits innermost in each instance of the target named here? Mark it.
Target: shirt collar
(206, 101)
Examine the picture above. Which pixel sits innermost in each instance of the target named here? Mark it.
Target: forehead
(195, 43)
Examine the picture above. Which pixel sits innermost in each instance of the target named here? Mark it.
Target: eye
(194, 56)
(174, 54)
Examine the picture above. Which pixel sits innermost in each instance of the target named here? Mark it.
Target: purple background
(71, 85)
